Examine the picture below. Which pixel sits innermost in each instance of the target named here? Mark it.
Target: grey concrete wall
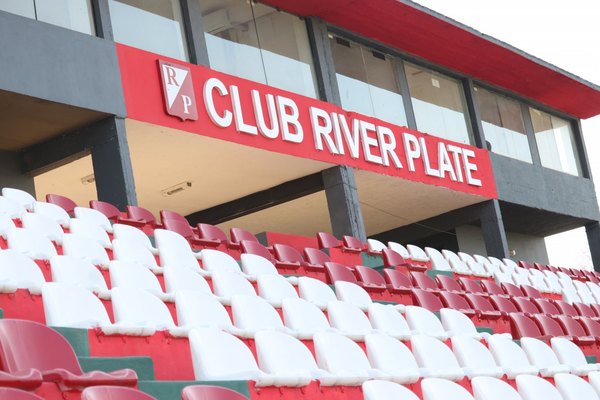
(56, 64)
(526, 247)
(533, 186)
(11, 175)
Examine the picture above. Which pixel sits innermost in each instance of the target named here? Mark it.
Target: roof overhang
(419, 31)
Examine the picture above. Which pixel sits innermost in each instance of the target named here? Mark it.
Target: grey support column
(323, 59)
(112, 164)
(343, 203)
(194, 32)
(593, 234)
(492, 228)
(473, 107)
(102, 19)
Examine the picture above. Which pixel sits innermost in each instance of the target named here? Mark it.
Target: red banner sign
(164, 92)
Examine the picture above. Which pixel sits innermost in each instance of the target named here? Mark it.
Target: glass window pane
(367, 82)
(71, 14)
(155, 26)
(503, 125)
(439, 104)
(24, 8)
(555, 142)
(259, 43)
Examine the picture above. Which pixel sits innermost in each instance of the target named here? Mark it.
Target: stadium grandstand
(240, 200)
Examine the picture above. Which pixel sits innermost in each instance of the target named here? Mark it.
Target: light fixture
(180, 187)
(86, 180)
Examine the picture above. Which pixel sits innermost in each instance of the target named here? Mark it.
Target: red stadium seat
(424, 281)
(212, 235)
(592, 327)
(503, 304)
(327, 240)
(107, 209)
(29, 345)
(252, 247)
(574, 329)
(316, 256)
(141, 214)
(566, 308)
(339, 272)
(482, 306)
(239, 234)
(526, 265)
(525, 305)
(584, 310)
(491, 287)
(548, 326)
(351, 243)
(512, 290)
(457, 302)
(287, 255)
(397, 280)
(395, 260)
(114, 393)
(471, 286)
(64, 202)
(370, 278)
(596, 308)
(530, 291)
(17, 394)
(448, 283)
(546, 306)
(427, 300)
(523, 326)
(209, 392)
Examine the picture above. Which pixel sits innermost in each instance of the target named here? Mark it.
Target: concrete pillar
(593, 234)
(343, 203)
(492, 228)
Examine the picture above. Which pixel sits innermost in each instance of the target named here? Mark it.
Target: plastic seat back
(43, 225)
(252, 247)
(52, 211)
(525, 305)
(279, 353)
(253, 313)
(566, 308)
(470, 285)
(591, 326)
(215, 260)
(11, 209)
(393, 259)
(338, 272)
(584, 310)
(572, 387)
(94, 217)
(166, 239)
(316, 256)
(239, 234)
(138, 308)
(533, 388)
(397, 279)
(478, 302)
(571, 326)
(548, 326)
(217, 356)
(285, 253)
(254, 265)
(417, 253)
(275, 288)
(524, 326)
(348, 318)
(315, 291)
(227, 284)
(90, 230)
(126, 274)
(487, 388)
(531, 291)
(471, 353)
(141, 214)
(30, 345)
(131, 234)
(200, 310)
(133, 252)
(111, 212)
(434, 354)
(400, 249)
(442, 389)
(327, 240)
(209, 392)
(391, 356)
(438, 261)
(72, 306)
(181, 227)
(503, 304)
(539, 353)
(423, 281)
(211, 232)
(339, 355)
(369, 276)
(446, 282)
(30, 243)
(85, 249)
(303, 316)
(546, 306)
(20, 197)
(423, 321)
(492, 288)
(114, 393)
(568, 352)
(17, 394)
(75, 271)
(353, 294)
(507, 353)
(6, 224)
(375, 246)
(512, 290)
(457, 323)
(388, 320)
(352, 243)
(172, 216)
(19, 271)
(376, 390)
(455, 301)
(427, 300)
(63, 202)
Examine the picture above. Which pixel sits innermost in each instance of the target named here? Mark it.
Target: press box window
(503, 125)
(367, 81)
(439, 104)
(259, 43)
(154, 26)
(555, 142)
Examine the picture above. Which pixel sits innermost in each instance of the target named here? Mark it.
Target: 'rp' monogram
(178, 89)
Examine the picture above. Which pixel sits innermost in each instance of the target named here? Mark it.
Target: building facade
(381, 119)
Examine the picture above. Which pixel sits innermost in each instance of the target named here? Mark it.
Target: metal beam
(492, 228)
(593, 235)
(258, 201)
